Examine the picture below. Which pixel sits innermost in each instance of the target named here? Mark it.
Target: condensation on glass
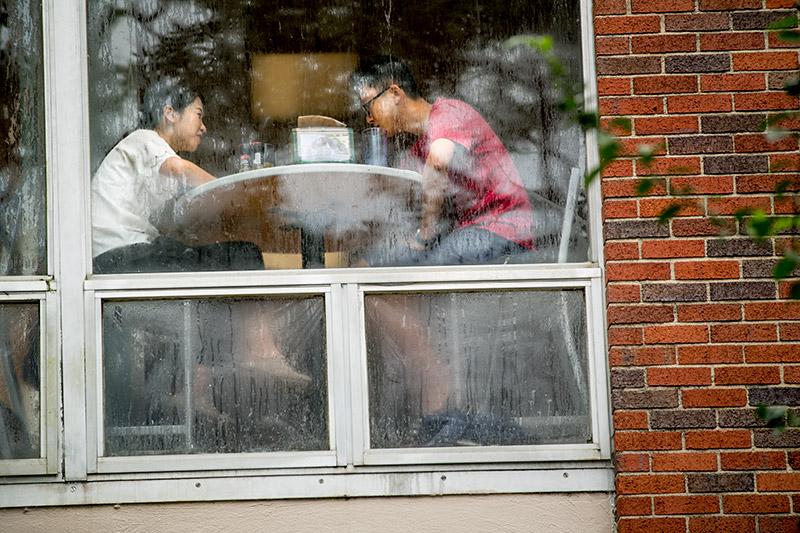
(477, 368)
(259, 65)
(227, 375)
(23, 231)
(20, 419)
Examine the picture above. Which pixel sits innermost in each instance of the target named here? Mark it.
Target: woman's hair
(382, 71)
(165, 91)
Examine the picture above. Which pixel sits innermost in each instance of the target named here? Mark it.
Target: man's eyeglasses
(366, 106)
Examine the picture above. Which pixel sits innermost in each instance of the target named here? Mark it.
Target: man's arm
(187, 171)
(434, 187)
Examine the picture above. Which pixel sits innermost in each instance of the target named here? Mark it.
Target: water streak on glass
(20, 417)
(226, 375)
(23, 230)
(260, 65)
(477, 368)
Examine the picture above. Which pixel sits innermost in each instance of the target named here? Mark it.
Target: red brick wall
(698, 331)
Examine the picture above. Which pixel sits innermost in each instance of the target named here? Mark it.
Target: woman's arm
(187, 171)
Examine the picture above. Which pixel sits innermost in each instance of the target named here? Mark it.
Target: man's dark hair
(162, 92)
(381, 71)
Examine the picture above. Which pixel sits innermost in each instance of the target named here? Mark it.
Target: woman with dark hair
(139, 175)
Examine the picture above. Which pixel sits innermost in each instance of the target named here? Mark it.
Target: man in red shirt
(466, 171)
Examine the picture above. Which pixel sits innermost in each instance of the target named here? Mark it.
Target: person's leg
(470, 246)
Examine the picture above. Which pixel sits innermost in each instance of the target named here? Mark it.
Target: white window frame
(79, 476)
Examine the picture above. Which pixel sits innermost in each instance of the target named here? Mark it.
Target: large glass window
(469, 162)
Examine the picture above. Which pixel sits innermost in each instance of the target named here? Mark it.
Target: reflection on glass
(265, 68)
(477, 369)
(19, 381)
(214, 376)
(22, 173)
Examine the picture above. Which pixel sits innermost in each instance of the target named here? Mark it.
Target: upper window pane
(347, 133)
(23, 230)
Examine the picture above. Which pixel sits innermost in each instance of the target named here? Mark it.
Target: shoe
(443, 429)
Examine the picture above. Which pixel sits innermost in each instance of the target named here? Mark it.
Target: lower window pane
(477, 368)
(223, 375)
(19, 381)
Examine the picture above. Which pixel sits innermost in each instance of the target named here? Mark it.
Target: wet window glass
(477, 369)
(214, 376)
(331, 133)
(19, 381)
(22, 168)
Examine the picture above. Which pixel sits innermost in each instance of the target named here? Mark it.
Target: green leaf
(792, 87)
(644, 186)
(794, 290)
(774, 416)
(783, 24)
(786, 265)
(669, 212)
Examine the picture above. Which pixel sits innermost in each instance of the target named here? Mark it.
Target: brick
(768, 438)
(618, 336)
(697, 22)
(630, 420)
(738, 248)
(642, 355)
(779, 482)
(710, 354)
(759, 268)
(735, 164)
(666, 125)
(772, 353)
(772, 311)
(791, 374)
(765, 60)
(700, 103)
(648, 399)
(655, 207)
(661, 166)
(637, 271)
(720, 524)
(739, 418)
(627, 378)
(633, 505)
(639, 314)
(744, 333)
(683, 418)
(734, 123)
(632, 462)
(777, 40)
(661, 6)
(784, 163)
(779, 524)
(610, 7)
(723, 269)
(733, 204)
(723, 5)
(684, 462)
(720, 482)
(632, 147)
(703, 227)
(647, 440)
(623, 293)
(678, 376)
(773, 4)
(743, 290)
(747, 375)
(732, 82)
(637, 105)
(775, 396)
(613, 86)
(626, 25)
(718, 439)
(714, 397)
(663, 43)
(635, 229)
(779, 80)
(710, 42)
(678, 334)
(672, 505)
(665, 84)
(618, 188)
(764, 101)
(651, 525)
(753, 460)
(617, 251)
(674, 292)
(701, 144)
(701, 185)
(755, 503)
(650, 484)
(620, 209)
(759, 143)
(672, 249)
(628, 65)
(758, 20)
(618, 168)
(786, 206)
(697, 63)
(709, 313)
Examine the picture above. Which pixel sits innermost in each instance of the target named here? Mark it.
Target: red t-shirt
(486, 189)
